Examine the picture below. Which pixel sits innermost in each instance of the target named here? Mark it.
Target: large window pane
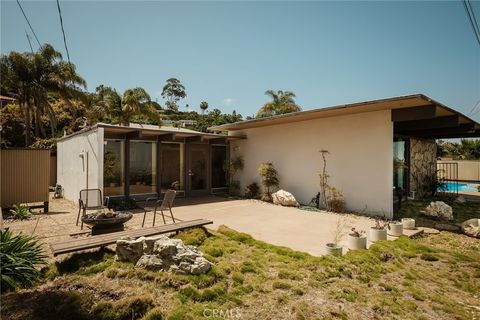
(399, 164)
(172, 167)
(142, 167)
(198, 167)
(113, 168)
(219, 155)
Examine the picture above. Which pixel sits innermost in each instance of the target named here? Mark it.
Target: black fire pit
(105, 222)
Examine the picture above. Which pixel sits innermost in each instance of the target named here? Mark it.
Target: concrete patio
(294, 228)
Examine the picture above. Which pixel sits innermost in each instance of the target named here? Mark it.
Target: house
(374, 147)
(141, 160)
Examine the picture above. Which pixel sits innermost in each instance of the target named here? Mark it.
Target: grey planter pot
(355, 243)
(395, 229)
(408, 223)
(334, 249)
(377, 234)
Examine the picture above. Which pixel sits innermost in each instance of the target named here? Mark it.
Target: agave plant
(20, 255)
(20, 212)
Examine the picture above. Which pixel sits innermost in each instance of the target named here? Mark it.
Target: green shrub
(252, 191)
(269, 176)
(19, 255)
(20, 212)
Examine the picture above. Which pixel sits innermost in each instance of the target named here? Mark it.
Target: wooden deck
(107, 239)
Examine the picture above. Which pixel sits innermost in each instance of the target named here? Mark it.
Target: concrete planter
(334, 249)
(355, 243)
(408, 223)
(395, 229)
(377, 234)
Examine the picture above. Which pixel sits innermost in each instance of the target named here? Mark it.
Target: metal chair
(154, 204)
(90, 199)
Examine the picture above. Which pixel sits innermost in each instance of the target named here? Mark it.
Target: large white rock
(440, 210)
(160, 253)
(284, 198)
(129, 250)
(472, 227)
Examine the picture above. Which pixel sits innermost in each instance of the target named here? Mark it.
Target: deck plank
(107, 239)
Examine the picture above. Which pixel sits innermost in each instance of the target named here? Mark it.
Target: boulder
(471, 228)
(160, 253)
(440, 210)
(129, 250)
(284, 198)
(151, 262)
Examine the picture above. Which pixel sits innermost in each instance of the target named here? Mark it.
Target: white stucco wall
(360, 160)
(72, 168)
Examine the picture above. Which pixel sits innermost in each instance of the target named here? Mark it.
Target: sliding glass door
(219, 177)
(198, 157)
(172, 167)
(113, 167)
(142, 167)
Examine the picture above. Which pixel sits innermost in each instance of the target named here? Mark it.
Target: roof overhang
(154, 133)
(413, 115)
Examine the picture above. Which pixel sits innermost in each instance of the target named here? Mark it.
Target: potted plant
(379, 231)
(408, 223)
(395, 228)
(333, 248)
(357, 239)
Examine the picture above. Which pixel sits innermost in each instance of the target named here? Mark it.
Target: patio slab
(291, 227)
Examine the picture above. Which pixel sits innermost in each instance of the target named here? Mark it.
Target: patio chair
(154, 204)
(90, 199)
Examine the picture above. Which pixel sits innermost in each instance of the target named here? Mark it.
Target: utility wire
(33, 31)
(29, 42)
(472, 111)
(471, 18)
(63, 30)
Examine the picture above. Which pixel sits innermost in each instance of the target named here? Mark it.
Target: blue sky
(229, 53)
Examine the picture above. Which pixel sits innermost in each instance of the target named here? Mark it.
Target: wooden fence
(25, 176)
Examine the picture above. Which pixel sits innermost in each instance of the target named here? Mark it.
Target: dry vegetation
(435, 277)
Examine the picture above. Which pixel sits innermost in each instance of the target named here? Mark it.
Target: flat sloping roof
(147, 130)
(418, 114)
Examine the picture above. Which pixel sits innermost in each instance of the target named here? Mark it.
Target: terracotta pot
(355, 243)
(377, 234)
(334, 249)
(408, 223)
(395, 229)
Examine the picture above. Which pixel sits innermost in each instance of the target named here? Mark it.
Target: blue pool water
(466, 187)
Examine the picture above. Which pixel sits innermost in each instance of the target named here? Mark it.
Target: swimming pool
(465, 187)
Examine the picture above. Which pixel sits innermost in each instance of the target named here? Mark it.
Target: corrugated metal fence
(25, 176)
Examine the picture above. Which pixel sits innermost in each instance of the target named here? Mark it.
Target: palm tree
(282, 102)
(33, 79)
(203, 106)
(112, 107)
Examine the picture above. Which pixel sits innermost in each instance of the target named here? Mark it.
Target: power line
(472, 111)
(471, 18)
(63, 30)
(29, 42)
(34, 34)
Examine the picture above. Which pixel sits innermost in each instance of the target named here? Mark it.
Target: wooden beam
(133, 135)
(436, 123)
(167, 137)
(461, 131)
(195, 139)
(414, 113)
(218, 141)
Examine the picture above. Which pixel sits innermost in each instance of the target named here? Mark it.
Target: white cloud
(227, 101)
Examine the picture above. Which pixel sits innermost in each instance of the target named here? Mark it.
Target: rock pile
(160, 253)
(440, 210)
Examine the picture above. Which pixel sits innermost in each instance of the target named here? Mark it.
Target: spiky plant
(20, 255)
(20, 212)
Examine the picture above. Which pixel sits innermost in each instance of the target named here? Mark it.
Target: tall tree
(203, 106)
(173, 91)
(32, 78)
(282, 102)
(112, 107)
